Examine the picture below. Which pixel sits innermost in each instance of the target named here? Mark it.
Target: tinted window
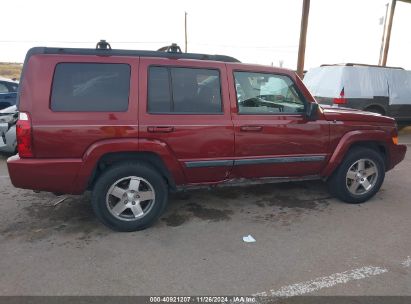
(90, 87)
(3, 88)
(259, 93)
(184, 90)
(13, 87)
(159, 92)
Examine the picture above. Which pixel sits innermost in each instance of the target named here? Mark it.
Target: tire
(345, 179)
(375, 109)
(129, 197)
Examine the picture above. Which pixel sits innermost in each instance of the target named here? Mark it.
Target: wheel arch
(112, 158)
(378, 146)
(371, 139)
(383, 111)
(153, 152)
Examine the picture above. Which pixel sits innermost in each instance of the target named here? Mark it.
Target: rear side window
(184, 90)
(90, 87)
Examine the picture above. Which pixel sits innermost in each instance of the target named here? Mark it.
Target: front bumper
(396, 155)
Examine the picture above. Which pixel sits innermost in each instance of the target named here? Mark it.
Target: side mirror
(312, 111)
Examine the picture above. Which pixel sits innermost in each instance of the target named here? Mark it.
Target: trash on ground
(248, 239)
(60, 200)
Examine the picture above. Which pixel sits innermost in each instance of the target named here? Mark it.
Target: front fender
(348, 140)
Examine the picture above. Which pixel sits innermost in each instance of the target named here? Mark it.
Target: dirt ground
(306, 243)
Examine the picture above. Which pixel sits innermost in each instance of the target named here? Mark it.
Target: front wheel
(129, 197)
(359, 177)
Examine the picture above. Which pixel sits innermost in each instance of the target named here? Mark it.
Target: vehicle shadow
(43, 216)
(266, 203)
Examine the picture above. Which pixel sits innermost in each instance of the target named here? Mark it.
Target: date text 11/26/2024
(203, 299)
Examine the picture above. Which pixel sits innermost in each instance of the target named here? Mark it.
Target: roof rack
(362, 64)
(103, 45)
(103, 48)
(173, 48)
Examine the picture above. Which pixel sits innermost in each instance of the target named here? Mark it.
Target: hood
(347, 114)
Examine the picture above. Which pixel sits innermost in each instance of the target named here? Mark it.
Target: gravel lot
(304, 238)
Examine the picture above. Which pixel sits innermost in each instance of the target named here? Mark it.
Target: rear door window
(90, 87)
(159, 91)
(184, 90)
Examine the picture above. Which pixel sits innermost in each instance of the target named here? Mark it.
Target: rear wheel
(129, 197)
(375, 109)
(359, 177)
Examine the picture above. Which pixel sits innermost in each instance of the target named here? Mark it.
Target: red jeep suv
(132, 125)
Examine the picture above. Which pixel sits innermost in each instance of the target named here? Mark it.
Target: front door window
(261, 93)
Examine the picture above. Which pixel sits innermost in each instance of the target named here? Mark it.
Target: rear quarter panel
(70, 134)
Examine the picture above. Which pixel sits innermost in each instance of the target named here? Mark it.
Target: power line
(38, 41)
(246, 46)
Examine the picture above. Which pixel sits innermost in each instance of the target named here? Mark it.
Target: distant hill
(10, 70)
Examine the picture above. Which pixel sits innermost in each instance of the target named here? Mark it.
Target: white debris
(407, 262)
(60, 200)
(249, 239)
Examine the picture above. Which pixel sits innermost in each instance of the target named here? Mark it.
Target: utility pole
(303, 38)
(383, 33)
(185, 31)
(388, 34)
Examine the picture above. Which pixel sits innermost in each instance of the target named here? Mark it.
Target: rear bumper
(396, 154)
(52, 175)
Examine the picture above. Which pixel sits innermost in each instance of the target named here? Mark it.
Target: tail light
(341, 99)
(24, 135)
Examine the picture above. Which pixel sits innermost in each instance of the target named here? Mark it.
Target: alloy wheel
(361, 177)
(130, 198)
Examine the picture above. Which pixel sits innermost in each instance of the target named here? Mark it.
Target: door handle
(160, 129)
(251, 128)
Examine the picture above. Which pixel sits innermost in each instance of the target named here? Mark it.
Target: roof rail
(103, 48)
(362, 64)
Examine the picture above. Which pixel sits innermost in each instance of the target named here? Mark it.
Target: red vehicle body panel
(277, 135)
(72, 132)
(193, 137)
(68, 146)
